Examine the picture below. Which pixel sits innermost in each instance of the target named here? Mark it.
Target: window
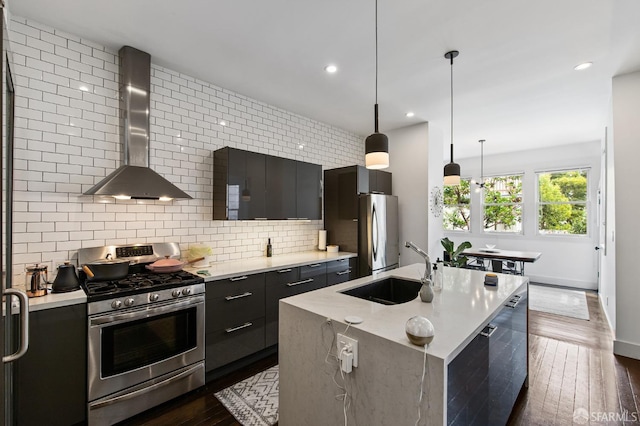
(503, 204)
(562, 202)
(457, 207)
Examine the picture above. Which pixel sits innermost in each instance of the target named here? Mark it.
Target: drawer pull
(489, 330)
(343, 272)
(239, 296)
(513, 302)
(240, 327)
(315, 265)
(244, 277)
(283, 271)
(308, 280)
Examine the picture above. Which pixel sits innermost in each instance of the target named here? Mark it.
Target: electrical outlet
(344, 341)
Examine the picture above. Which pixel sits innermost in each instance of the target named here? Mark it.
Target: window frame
(521, 204)
(587, 202)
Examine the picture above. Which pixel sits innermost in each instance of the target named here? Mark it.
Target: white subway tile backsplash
(67, 140)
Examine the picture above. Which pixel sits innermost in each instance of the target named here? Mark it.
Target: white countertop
(257, 265)
(51, 300)
(217, 271)
(458, 312)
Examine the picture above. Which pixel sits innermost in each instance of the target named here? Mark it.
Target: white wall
(566, 260)
(408, 161)
(67, 140)
(607, 284)
(626, 147)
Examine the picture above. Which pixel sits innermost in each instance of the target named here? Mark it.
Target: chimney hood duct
(134, 179)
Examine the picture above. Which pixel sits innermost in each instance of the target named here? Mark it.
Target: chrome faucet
(427, 260)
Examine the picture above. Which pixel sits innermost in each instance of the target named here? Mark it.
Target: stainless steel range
(145, 334)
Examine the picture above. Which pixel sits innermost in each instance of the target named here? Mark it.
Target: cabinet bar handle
(315, 265)
(308, 280)
(490, 329)
(343, 272)
(282, 271)
(239, 296)
(244, 277)
(240, 327)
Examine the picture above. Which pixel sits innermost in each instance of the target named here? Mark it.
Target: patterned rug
(559, 301)
(254, 401)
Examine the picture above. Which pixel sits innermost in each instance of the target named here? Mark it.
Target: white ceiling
(514, 83)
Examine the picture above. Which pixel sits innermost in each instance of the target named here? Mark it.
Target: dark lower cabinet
(242, 312)
(484, 380)
(235, 319)
(341, 270)
(51, 378)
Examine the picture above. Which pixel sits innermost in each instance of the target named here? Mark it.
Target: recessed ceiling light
(409, 114)
(583, 66)
(331, 69)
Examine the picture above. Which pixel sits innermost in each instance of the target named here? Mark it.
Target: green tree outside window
(562, 202)
(457, 207)
(503, 204)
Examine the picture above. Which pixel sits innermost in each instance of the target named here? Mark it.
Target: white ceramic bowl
(490, 246)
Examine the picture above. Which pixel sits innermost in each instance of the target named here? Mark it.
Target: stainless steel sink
(388, 291)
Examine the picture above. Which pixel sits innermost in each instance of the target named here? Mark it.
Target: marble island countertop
(227, 269)
(458, 312)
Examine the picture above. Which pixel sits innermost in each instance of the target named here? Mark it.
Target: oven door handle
(117, 317)
(144, 390)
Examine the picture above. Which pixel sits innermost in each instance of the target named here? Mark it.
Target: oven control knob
(116, 304)
(129, 302)
(186, 291)
(175, 293)
(154, 297)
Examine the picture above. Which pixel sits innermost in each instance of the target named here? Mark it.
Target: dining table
(497, 256)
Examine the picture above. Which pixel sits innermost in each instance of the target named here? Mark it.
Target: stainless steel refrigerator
(378, 244)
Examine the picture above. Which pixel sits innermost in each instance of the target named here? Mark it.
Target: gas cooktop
(138, 282)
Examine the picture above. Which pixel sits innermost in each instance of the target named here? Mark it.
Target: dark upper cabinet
(281, 188)
(238, 184)
(380, 182)
(249, 185)
(349, 182)
(308, 191)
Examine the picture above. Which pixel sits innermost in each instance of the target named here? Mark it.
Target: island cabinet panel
(281, 188)
(51, 378)
(279, 284)
(341, 270)
(484, 380)
(235, 319)
(308, 191)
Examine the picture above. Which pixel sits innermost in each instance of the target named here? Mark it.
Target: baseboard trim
(606, 314)
(630, 350)
(565, 282)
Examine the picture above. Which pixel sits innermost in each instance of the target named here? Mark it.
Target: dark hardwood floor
(572, 367)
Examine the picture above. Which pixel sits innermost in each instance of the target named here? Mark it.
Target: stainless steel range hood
(134, 179)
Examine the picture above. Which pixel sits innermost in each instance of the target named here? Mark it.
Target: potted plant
(452, 254)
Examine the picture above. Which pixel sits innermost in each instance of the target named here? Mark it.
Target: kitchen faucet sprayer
(427, 260)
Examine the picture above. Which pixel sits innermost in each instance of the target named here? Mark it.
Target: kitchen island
(475, 365)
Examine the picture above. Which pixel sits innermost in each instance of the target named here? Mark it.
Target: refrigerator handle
(24, 324)
(374, 231)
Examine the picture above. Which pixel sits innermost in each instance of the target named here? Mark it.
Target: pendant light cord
(452, 108)
(376, 104)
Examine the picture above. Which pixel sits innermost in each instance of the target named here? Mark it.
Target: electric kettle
(36, 280)
(66, 280)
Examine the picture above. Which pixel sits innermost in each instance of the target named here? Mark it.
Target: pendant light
(481, 183)
(376, 146)
(452, 170)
